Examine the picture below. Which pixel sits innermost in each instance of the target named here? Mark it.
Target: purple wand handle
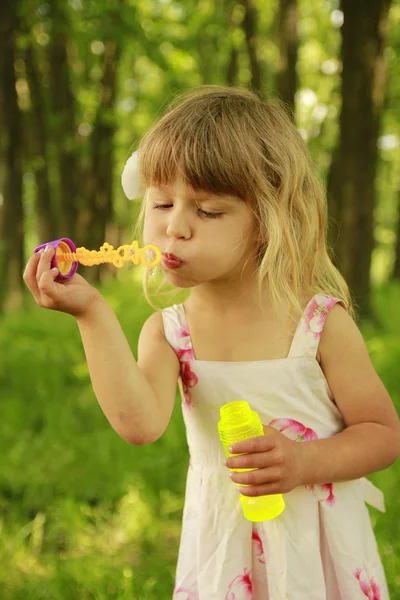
(65, 270)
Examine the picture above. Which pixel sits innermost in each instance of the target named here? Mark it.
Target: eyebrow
(213, 198)
(200, 197)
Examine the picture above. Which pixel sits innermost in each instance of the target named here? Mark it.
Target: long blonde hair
(228, 140)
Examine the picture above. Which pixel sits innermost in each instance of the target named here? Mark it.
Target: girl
(232, 201)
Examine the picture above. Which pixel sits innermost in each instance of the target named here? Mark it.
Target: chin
(188, 277)
(177, 280)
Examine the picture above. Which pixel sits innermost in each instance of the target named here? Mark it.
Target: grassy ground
(85, 516)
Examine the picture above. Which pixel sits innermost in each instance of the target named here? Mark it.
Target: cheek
(147, 232)
(150, 228)
(250, 233)
(242, 238)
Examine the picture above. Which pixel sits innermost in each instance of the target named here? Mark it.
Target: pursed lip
(172, 260)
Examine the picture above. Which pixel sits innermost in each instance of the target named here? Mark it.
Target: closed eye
(209, 215)
(203, 213)
(162, 206)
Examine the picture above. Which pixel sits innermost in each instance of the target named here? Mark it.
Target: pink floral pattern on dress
(181, 593)
(323, 492)
(241, 587)
(316, 313)
(368, 585)
(298, 432)
(294, 430)
(185, 354)
(258, 546)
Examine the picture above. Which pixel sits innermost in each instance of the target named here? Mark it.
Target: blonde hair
(227, 140)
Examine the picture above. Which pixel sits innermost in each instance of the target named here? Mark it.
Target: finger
(29, 275)
(44, 262)
(270, 430)
(257, 477)
(261, 443)
(49, 289)
(255, 460)
(267, 489)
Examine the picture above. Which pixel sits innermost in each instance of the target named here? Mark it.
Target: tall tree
(288, 48)
(351, 181)
(249, 25)
(64, 117)
(11, 213)
(38, 145)
(396, 268)
(233, 59)
(99, 186)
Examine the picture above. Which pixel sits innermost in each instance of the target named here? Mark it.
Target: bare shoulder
(153, 325)
(341, 340)
(159, 364)
(152, 341)
(356, 387)
(339, 330)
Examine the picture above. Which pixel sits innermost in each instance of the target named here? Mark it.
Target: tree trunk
(351, 181)
(44, 208)
(99, 201)
(288, 47)
(249, 25)
(11, 234)
(233, 63)
(63, 118)
(396, 268)
(232, 69)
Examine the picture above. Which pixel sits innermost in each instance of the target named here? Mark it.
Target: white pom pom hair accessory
(130, 178)
(131, 184)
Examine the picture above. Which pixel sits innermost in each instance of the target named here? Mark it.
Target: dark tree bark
(396, 268)
(288, 49)
(249, 25)
(11, 217)
(206, 66)
(232, 69)
(99, 190)
(64, 120)
(38, 139)
(351, 181)
(233, 62)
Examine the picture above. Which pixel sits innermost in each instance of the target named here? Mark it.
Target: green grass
(85, 516)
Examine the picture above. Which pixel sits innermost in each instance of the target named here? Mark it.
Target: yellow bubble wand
(67, 256)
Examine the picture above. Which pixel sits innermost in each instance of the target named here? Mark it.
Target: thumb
(270, 430)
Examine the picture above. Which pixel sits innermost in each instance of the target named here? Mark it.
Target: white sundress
(322, 547)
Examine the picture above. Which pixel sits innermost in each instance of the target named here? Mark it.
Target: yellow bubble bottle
(238, 422)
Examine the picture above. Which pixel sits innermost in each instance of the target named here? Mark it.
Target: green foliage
(384, 349)
(169, 46)
(83, 514)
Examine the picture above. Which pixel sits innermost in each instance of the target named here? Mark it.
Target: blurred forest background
(82, 514)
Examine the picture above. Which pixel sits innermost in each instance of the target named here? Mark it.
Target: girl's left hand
(276, 458)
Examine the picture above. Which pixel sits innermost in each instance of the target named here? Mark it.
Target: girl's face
(203, 237)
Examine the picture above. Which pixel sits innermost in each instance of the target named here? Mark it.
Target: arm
(136, 397)
(371, 440)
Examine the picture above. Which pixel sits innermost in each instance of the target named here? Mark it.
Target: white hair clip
(130, 178)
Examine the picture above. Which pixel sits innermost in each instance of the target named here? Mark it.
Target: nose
(178, 225)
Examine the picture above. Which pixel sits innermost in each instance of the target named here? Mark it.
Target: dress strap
(176, 331)
(311, 324)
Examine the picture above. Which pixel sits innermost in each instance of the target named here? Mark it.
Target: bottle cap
(66, 268)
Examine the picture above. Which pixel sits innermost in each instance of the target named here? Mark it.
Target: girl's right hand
(73, 296)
